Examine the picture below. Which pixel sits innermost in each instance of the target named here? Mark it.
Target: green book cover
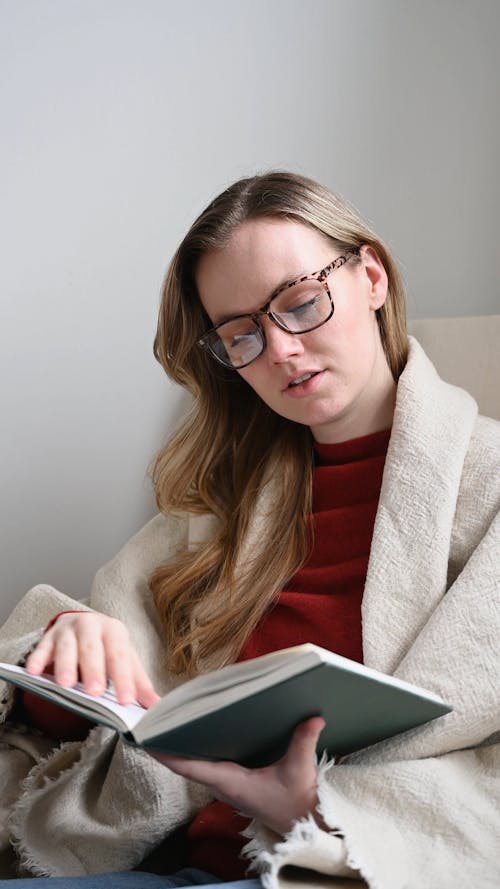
(247, 711)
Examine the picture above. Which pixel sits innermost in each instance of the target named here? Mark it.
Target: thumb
(302, 748)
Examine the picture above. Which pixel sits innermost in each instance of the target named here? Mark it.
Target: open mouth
(303, 379)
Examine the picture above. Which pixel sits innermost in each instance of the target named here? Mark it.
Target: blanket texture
(418, 810)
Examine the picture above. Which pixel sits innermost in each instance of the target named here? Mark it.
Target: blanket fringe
(268, 862)
(34, 785)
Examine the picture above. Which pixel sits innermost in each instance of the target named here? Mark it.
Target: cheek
(258, 380)
(355, 321)
(252, 377)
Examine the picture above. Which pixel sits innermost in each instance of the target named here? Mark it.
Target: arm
(108, 823)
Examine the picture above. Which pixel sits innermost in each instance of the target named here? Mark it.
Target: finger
(42, 655)
(90, 653)
(125, 669)
(145, 693)
(65, 657)
(121, 661)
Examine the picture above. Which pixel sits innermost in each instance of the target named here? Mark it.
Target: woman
(327, 487)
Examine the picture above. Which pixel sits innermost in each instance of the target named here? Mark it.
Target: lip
(303, 388)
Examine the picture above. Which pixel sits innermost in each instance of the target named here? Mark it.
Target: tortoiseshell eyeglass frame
(211, 336)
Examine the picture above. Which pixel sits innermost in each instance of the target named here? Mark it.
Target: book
(247, 711)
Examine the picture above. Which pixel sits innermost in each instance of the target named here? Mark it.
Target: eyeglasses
(297, 307)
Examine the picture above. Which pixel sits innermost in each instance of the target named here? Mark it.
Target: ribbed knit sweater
(321, 604)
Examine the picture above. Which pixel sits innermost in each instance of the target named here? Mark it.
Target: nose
(280, 345)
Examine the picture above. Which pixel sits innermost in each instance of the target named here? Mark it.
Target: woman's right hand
(93, 648)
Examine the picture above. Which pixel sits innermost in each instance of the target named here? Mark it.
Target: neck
(373, 411)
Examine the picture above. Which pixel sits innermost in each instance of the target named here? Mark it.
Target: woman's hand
(93, 647)
(278, 795)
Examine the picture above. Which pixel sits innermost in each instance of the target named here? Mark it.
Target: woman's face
(349, 390)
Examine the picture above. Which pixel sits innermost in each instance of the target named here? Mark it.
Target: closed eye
(241, 338)
(304, 307)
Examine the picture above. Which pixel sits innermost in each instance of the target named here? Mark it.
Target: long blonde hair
(231, 441)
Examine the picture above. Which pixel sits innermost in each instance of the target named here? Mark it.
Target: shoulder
(153, 545)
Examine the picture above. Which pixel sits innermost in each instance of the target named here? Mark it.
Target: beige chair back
(466, 352)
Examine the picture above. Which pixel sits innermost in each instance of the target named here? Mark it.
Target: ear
(376, 276)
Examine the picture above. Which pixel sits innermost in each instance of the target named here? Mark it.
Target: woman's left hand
(278, 795)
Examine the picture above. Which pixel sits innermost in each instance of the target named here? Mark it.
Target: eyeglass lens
(297, 309)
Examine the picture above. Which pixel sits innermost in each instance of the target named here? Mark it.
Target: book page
(129, 714)
(76, 698)
(209, 692)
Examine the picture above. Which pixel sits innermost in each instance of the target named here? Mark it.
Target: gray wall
(120, 119)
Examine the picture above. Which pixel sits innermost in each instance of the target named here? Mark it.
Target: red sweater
(321, 604)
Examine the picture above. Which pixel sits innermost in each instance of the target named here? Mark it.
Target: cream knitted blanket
(420, 810)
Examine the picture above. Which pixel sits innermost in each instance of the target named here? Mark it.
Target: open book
(247, 711)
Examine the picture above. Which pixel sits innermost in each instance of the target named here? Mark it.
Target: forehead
(261, 255)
